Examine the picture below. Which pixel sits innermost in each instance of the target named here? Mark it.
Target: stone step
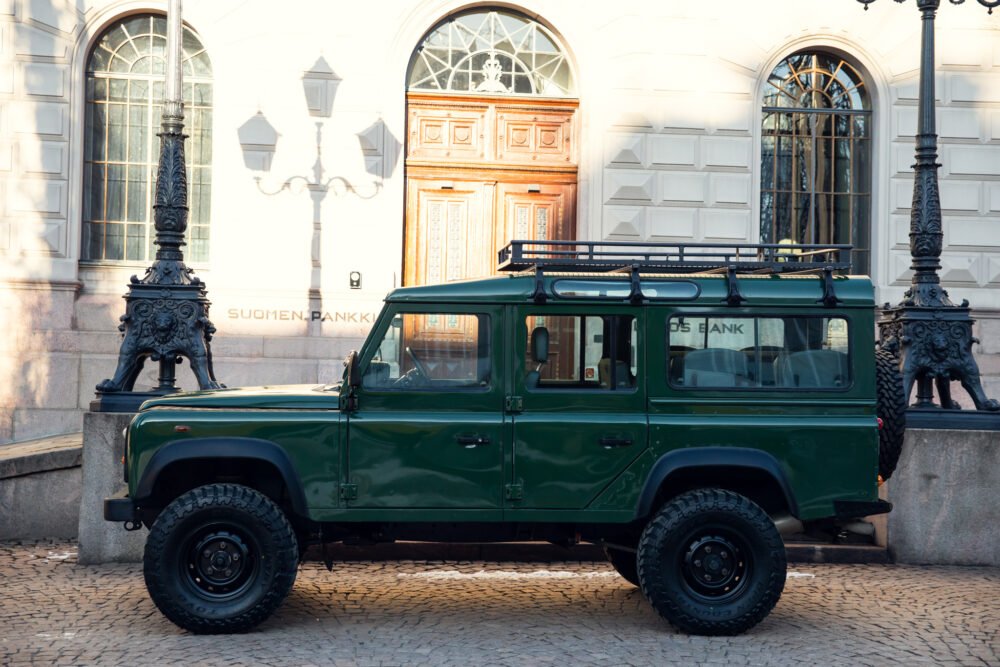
(41, 455)
(40, 487)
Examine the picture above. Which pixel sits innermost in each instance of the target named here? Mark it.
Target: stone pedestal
(945, 494)
(103, 447)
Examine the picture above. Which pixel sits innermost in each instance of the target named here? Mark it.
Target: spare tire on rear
(891, 408)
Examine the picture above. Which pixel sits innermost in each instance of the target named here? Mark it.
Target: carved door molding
(481, 171)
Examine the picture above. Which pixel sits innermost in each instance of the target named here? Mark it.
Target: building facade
(338, 150)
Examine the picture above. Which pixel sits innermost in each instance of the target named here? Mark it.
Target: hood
(278, 397)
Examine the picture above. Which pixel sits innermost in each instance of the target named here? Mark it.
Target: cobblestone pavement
(56, 612)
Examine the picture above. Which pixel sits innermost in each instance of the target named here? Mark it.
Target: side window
(758, 352)
(124, 93)
(432, 351)
(581, 352)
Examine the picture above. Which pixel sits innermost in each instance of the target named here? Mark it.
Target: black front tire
(711, 562)
(220, 559)
(624, 564)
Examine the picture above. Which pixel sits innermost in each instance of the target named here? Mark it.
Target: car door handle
(470, 441)
(612, 441)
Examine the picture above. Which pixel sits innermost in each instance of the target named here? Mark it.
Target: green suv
(671, 403)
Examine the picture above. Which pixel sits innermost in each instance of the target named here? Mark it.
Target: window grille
(491, 53)
(816, 155)
(124, 95)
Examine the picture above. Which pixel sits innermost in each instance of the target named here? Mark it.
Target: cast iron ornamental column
(166, 313)
(931, 336)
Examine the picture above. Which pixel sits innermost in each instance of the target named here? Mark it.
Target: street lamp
(930, 335)
(166, 312)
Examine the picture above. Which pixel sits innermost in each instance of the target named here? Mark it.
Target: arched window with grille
(492, 52)
(816, 155)
(124, 95)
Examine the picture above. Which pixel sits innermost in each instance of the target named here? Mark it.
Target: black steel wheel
(624, 564)
(891, 408)
(711, 562)
(220, 558)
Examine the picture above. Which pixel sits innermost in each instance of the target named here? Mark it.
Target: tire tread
(234, 497)
(660, 530)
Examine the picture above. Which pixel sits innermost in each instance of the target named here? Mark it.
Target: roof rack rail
(606, 256)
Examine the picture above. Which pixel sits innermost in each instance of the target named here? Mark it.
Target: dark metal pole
(930, 335)
(166, 313)
(925, 213)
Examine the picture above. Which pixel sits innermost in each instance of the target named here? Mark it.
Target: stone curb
(42, 455)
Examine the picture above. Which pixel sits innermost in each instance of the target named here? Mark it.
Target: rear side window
(724, 352)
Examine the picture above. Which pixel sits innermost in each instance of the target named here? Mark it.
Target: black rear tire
(220, 559)
(891, 408)
(711, 562)
(624, 563)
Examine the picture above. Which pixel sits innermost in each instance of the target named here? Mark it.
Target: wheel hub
(219, 562)
(714, 566)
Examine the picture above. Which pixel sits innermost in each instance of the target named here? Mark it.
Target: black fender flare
(254, 449)
(713, 457)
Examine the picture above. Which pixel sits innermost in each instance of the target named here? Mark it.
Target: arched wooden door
(491, 145)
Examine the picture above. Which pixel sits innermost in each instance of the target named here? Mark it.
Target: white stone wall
(669, 135)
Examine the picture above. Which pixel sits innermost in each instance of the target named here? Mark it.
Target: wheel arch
(752, 472)
(255, 458)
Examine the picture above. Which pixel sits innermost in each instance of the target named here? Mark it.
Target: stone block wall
(945, 495)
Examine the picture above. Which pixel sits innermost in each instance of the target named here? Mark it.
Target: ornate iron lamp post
(930, 335)
(166, 312)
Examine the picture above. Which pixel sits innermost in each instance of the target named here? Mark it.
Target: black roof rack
(606, 256)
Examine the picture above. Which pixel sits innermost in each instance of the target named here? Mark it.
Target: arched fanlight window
(491, 52)
(816, 155)
(124, 97)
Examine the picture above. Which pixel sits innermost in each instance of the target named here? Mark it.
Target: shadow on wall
(378, 155)
(39, 370)
(39, 360)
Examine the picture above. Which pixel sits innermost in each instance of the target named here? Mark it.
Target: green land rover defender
(671, 403)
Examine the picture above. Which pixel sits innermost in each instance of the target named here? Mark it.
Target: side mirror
(353, 370)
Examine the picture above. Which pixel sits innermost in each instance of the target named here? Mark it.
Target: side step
(543, 552)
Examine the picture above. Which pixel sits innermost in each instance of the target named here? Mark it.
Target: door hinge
(514, 491)
(513, 404)
(349, 401)
(348, 491)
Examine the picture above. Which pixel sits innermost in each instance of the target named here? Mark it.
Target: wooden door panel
(446, 133)
(534, 136)
(444, 220)
(493, 147)
(535, 212)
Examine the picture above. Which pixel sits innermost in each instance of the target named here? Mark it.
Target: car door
(428, 425)
(579, 415)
